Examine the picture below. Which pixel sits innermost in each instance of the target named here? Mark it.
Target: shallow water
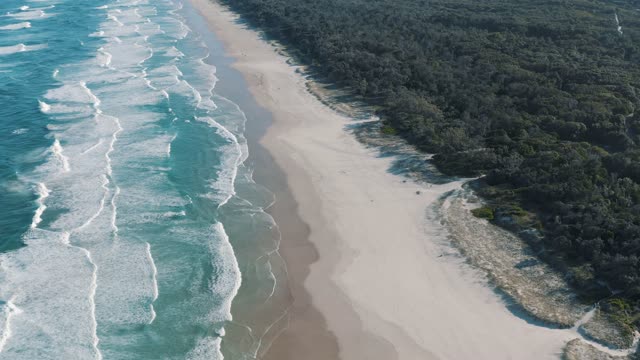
(128, 211)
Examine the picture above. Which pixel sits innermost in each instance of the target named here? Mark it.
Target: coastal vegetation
(484, 212)
(538, 96)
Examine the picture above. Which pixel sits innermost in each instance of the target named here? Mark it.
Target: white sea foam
(94, 100)
(185, 89)
(128, 56)
(93, 147)
(173, 52)
(103, 199)
(169, 145)
(175, 28)
(71, 93)
(13, 49)
(229, 276)
(57, 151)
(9, 310)
(92, 304)
(154, 276)
(165, 77)
(114, 212)
(104, 58)
(207, 73)
(19, 131)
(173, 214)
(234, 155)
(24, 7)
(114, 184)
(37, 328)
(44, 107)
(206, 348)
(17, 26)
(33, 14)
(61, 111)
(226, 285)
(86, 226)
(114, 19)
(43, 194)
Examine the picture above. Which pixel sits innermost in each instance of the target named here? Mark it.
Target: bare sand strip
(378, 281)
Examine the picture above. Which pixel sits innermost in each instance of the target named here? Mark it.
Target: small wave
(24, 8)
(19, 131)
(57, 150)
(114, 211)
(33, 14)
(71, 93)
(170, 141)
(114, 19)
(43, 194)
(94, 99)
(17, 26)
(44, 107)
(174, 52)
(226, 285)
(104, 58)
(64, 111)
(224, 187)
(8, 50)
(173, 214)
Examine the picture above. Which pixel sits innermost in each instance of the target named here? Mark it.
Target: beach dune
(367, 275)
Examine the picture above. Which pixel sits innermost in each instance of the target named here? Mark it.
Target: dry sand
(369, 282)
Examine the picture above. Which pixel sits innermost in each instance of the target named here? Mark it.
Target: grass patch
(484, 212)
(388, 130)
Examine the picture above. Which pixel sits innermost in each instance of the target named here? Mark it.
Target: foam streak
(154, 277)
(10, 311)
(43, 193)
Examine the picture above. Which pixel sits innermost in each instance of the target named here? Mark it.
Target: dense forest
(538, 95)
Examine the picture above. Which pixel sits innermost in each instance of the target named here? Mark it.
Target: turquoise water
(130, 218)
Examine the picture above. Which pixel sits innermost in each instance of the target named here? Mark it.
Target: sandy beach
(366, 271)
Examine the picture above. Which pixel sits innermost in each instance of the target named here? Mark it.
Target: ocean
(130, 219)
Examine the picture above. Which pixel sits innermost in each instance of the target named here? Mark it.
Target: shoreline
(341, 209)
(307, 335)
